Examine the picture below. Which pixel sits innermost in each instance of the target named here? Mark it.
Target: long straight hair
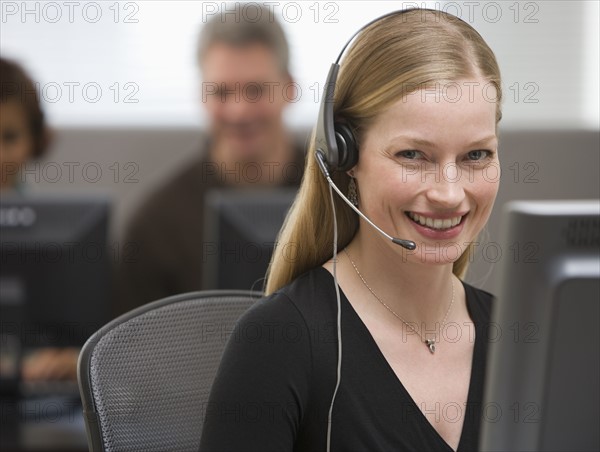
(390, 59)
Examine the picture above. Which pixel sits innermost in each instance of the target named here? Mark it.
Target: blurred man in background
(244, 60)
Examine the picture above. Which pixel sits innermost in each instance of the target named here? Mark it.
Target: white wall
(141, 55)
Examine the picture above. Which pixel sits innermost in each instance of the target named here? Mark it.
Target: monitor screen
(543, 374)
(241, 228)
(55, 279)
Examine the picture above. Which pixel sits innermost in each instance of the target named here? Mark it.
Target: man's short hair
(243, 25)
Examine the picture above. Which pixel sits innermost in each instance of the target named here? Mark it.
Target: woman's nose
(445, 186)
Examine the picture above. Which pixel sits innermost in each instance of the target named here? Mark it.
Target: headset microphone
(336, 146)
(408, 244)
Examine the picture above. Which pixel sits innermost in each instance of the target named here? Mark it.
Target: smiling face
(428, 169)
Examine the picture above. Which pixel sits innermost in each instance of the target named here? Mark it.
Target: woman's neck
(417, 292)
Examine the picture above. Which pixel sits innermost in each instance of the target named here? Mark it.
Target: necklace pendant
(431, 344)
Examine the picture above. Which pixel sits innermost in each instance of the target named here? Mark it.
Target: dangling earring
(352, 192)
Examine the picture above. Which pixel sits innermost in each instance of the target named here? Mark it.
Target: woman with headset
(382, 347)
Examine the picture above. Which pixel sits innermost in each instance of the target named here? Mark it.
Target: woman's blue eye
(410, 154)
(480, 154)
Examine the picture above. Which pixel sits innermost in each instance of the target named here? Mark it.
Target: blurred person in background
(23, 131)
(24, 136)
(244, 58)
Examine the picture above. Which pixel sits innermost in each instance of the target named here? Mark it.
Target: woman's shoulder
(480, 294)
(307, 298)
(479, 302)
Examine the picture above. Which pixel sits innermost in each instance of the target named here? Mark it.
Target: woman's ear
(350, 172)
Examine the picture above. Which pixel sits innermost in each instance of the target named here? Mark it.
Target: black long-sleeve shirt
(277, 376)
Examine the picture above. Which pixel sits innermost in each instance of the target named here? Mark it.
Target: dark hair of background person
(244, 25)
(15, 85)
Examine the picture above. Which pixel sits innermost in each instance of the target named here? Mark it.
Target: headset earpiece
(346, 146)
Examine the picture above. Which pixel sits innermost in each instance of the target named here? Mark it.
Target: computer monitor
(543, 376)
(240, 231)
(55, 280)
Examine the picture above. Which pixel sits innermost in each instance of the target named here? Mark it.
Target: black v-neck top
(278, 372)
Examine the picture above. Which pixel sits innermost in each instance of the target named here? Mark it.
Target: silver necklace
(430, 343)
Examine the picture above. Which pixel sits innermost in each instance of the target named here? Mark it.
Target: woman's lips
(445, 226)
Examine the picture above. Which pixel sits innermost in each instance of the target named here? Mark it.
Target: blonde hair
(388, 60)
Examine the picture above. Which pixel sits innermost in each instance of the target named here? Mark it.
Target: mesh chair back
(145, 377)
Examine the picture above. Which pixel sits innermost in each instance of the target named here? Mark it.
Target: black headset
(335, 141)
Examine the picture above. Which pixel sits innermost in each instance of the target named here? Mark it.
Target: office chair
(145, 377)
